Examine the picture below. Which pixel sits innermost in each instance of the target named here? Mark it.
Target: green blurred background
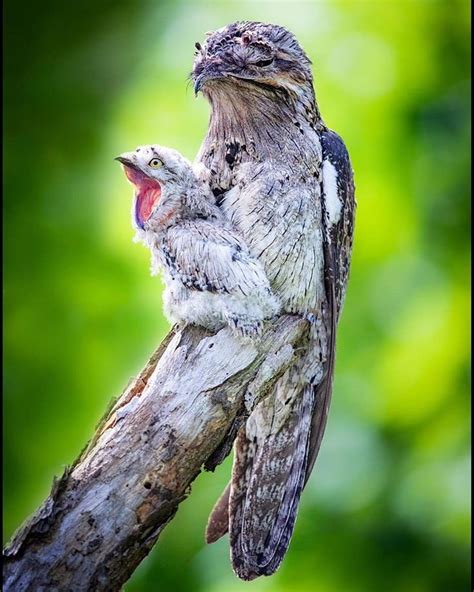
(388, 504)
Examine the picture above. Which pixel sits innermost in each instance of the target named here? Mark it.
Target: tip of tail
(214, 532)
(249, 568)
(242, 574)
(218, 523)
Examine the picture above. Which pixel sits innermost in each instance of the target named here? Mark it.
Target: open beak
(147, 190)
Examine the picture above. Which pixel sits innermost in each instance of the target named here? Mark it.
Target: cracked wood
(107, 510)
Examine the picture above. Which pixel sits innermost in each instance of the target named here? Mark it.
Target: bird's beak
(132, 171)
(123, 160)
(127, 161)
(198, 83)
(206, 76)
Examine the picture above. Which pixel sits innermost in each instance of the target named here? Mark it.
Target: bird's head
(250, 53)
(158, 175)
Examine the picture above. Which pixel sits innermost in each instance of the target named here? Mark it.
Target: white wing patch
(331, 197)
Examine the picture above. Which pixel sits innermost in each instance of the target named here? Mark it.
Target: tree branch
(106, 512)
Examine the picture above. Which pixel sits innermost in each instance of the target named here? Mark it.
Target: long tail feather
(218, 523)
(267, 481)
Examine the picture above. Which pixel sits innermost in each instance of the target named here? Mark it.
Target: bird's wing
(212, 258)
(339, 206)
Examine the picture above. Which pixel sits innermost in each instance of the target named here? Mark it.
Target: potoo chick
(285, 182)
(211, 279)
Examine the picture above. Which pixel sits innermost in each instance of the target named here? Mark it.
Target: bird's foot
(244, 327)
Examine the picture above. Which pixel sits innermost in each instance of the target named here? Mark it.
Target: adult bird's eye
(262, 63)
(155, 163)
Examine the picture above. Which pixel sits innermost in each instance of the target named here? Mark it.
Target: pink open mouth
(147, 194)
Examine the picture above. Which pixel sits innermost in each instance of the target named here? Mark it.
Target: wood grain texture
(107, 510)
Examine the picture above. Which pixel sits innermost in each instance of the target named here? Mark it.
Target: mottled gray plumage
(285, 182)
(210, 276)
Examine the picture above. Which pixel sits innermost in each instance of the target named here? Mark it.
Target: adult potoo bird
(211, 279)
(285, 181)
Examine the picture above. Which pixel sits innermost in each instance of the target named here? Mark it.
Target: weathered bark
(106, 512)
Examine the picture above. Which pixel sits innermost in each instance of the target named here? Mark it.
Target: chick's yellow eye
(155, 163)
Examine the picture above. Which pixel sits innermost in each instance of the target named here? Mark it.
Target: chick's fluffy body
(211, 278)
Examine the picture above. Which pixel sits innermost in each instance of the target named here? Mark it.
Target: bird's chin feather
(140, 236)
(144, 237)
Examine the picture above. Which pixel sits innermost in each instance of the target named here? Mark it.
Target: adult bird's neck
(256, 124)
